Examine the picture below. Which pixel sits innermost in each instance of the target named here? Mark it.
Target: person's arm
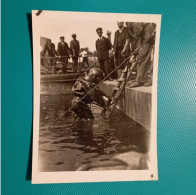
(127, 43)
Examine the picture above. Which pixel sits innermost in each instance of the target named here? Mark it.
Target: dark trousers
(143, 62)
(112, 67)
(104, 66)
(75, 64)
(64, 61)
(85, 60)
(51, 63)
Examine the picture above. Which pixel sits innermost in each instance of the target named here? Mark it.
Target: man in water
(85, 94)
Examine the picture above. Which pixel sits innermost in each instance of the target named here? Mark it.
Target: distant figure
(142, 37)
(119, 42)
(75, 48)
(84, 56)
(49, 50)
(111, 57)
(103, 46)
(64, 53)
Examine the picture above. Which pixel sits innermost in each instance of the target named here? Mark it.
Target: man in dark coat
(119, 42)
(50, 52)
(141, 36)
(75, 48)
(103, 46)
(64, 53)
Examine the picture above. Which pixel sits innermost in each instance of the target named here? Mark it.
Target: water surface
(68, 144)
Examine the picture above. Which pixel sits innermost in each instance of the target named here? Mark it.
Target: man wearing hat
(64, 53)
(103, 46)
(119, 42)
(75, 48)
(49, 50)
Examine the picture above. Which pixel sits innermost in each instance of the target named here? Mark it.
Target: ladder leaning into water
(118, 90)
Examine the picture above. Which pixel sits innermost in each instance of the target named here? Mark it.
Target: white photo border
(92, 176)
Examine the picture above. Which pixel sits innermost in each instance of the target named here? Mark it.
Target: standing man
(84, 56)
(103, 46)
(49, 50)
(64, 53)
(119, 42)
(142, 37)
(75, 48)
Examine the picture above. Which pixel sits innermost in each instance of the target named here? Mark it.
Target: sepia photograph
(95, 96)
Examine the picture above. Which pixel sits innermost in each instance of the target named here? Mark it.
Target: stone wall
(135, 102)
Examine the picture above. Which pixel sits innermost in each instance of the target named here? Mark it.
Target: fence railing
(55, 65)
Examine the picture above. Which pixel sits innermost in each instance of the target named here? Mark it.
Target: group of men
(135, 40)
(134, 43)
(64, 53)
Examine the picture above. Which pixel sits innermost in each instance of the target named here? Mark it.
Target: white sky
(53, 24)
(85, 31)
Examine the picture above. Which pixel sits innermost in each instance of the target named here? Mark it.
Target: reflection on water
(69, 144)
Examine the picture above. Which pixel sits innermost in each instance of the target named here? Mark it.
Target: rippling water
(68, 144)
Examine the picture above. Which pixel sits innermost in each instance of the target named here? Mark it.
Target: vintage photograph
(95, 96)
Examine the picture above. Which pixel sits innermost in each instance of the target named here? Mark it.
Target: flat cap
(99, 29)
(73, 35)
(62, 37)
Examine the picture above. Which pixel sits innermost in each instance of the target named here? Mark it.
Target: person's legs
(120, 58)
(106, 68)
(50, 62)
(53, 65)
(86, 61)
(75, 64)
(65, 65)
(101, 65)
(143, 59)
(112, 67)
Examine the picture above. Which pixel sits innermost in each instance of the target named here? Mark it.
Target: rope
(100, 81)
(88, 92)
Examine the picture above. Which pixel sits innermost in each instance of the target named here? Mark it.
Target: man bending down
(83, 89)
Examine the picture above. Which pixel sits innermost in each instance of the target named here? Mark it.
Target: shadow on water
(70, 143)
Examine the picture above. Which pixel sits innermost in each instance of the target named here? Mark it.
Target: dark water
(68, 144)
